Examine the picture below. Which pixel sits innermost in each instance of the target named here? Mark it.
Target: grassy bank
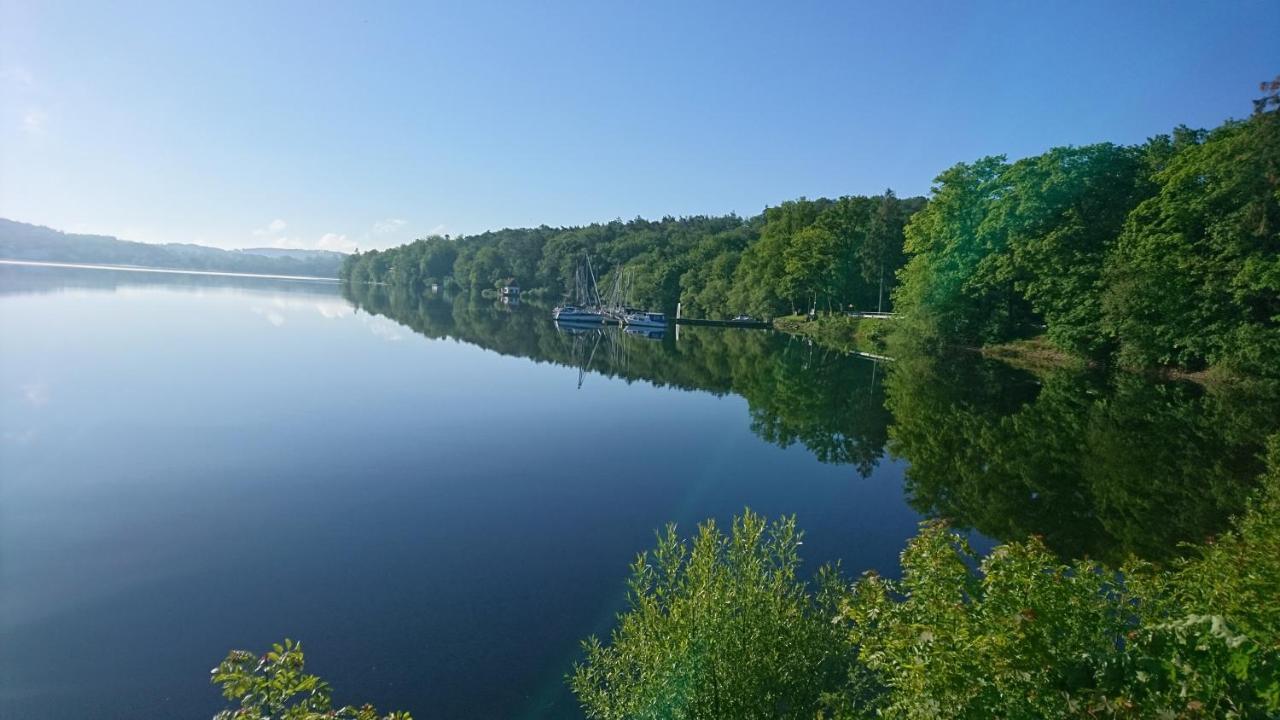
(840, 332)
(1035, 354)
(1038, 355)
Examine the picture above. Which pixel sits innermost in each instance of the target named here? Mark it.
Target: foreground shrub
(1236, 575)
(274, 687)
(724, 629)
(1019, 634)
(719, 628)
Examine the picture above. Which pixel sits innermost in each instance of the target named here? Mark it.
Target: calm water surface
(441, 498)
(191, 466)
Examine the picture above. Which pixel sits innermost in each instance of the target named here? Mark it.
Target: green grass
(839, 332)
(1033, 354)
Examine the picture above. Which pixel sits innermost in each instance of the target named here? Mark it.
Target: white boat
(584, 309)
(645, 319)
(577, 315)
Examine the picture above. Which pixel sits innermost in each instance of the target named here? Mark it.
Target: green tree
(882, 253)
(761, 283)
(276, 687)
(723, 629)
(810, 263)
(1019, 634)
(1060, 215)
(957, 285)
(719, 628)
(1195, 277)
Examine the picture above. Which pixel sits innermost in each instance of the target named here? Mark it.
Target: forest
(1163, 254)
(828, 254)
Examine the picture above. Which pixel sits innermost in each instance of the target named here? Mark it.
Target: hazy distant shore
(139, 268)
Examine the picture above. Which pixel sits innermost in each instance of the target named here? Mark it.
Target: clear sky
(327, 124)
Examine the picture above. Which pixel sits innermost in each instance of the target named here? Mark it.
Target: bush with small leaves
(723, 629)
(719, 628)
(274, 687)
(1020, 634)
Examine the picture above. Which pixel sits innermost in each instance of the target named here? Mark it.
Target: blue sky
(315, 124)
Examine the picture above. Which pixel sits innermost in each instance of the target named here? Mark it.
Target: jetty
(753, 323)
(723, 323)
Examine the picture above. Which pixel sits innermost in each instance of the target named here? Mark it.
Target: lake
(440, 497)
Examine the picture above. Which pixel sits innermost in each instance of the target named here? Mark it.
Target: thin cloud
(36, 394)
(333, 310)
(271, 316)
(273, 232)
(17, 76)
(385, 329)
(336, 242)
(34, 121)
(387, 226)
(275, 227)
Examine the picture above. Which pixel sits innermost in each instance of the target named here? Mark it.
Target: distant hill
(22, 241)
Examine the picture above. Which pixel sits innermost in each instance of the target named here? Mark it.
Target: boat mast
(592, 289)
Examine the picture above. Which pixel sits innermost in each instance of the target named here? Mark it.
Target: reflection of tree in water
(831, 403)
(828, 402)
(1099, 466)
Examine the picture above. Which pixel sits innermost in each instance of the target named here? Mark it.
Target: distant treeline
(1161, 254)
(21, 241)
(821, 253)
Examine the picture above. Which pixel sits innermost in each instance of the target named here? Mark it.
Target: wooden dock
(759, 324)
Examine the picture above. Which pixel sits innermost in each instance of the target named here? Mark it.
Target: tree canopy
(801, 254)
(1163, 254)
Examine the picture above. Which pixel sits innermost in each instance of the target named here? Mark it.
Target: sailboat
(586, 310)
(618, 309)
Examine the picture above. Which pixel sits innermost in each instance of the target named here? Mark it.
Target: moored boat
(645, 319)
(577, 315)
(585, 307)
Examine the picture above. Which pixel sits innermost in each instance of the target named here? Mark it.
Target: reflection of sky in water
(187, 469)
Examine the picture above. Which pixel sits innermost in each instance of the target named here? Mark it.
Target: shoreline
(1035, 355)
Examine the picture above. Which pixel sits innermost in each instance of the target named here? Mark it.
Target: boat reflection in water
(649, 333)
(586, 339)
